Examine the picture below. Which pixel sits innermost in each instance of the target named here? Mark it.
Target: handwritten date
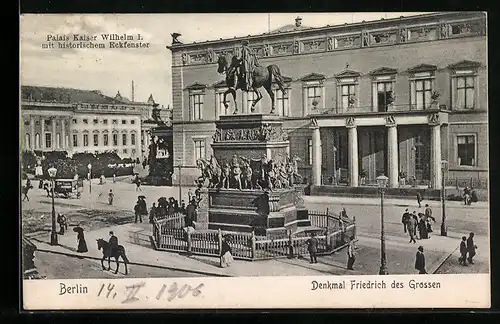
(171, 292)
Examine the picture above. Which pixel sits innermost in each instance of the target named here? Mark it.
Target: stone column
(436, 156)
(54, 137)
(304, 102)
(392, 156)
(316, 156)
(244, 103)
(353, 156)
(42, 134)
(63, 135)
(32, 136)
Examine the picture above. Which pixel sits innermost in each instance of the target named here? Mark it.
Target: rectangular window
(115, 121)
(124, 139)
(220, 104)
(47, 122)
(132, 122)
(96, 121)
(96, 139)
(85, 121)
(125, 151)
(314, 97)
(75, 121)
(48, 140)
(26, 123)
(75, 140)
(348, 95)
(282, 102)
(105, 139)
(199, 149)
(105, 121)
(85, 140)
(124, 121)
(310, 151)
(465, 92)
(466, 150)
(132, 139)
(384, 95)
(115, 139)
(423, 92)
(196, 101)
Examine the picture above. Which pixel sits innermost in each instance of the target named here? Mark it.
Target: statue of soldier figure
(235, 173)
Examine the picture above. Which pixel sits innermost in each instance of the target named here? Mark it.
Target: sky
(112, 70)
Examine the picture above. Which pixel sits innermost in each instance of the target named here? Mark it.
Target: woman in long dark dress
(80, 238)
(422, 224)
(226, 257)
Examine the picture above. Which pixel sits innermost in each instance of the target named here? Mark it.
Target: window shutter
(374, 96)
(413, 94)
(453, 93)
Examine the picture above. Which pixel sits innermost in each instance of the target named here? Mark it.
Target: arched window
(27, 141)
(37, 141)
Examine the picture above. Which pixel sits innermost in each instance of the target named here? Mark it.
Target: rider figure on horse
(113, 243)
(247, 65)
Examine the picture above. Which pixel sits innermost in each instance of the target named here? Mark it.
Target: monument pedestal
(253, 138)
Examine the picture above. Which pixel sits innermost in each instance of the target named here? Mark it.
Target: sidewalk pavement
(136, 240)
(391, 201)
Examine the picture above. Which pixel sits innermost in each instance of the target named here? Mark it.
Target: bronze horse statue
(261, 76)
(118, 252)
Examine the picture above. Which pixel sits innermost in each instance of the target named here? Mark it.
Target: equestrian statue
(245, 73)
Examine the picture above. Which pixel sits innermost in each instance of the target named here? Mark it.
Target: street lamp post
(334, 165)
(53, 234)
(444, 230)
(89, 166)
(382, 184)
(179, 165)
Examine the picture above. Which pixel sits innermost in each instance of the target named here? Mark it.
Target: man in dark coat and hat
(471, 248)
(191, 212)
(463, 251)
(420, 260)
(113, 243)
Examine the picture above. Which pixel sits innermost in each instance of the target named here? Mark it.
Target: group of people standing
(418, 226)
(467, 250)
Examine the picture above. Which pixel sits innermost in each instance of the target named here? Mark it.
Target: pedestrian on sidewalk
(420, 261)
(80, 240)
(63, 224)
(114, 177)
(111, 197)
(312, 247)
(463, 251)
(471, 248)
(416, 231)
(138, 184)
(137, 211)
(152, 213)
(405, 219)
(419, 199)
(351, 254)
(412, 228)
(226, 257)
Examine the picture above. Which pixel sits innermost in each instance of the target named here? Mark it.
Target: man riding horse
(248, 63)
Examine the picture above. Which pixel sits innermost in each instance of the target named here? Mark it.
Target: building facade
(76, 121)
(393, 96)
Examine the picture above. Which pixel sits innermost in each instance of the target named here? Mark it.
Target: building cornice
(406, 30)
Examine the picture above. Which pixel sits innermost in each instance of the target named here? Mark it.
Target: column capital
(350, 122)
(314, 124)
(390, 121)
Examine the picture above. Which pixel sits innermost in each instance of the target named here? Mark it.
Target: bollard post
(219, 234)
(189, 242)
(254, 254)
(290, 246)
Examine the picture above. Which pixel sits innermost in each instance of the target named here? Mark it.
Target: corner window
(221, 109)
(466, 150)
(314, 94)
(309, 151)
(282, 102)
(199, 149)
(196, 103)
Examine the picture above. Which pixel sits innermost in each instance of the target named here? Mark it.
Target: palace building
(392, 96)
(73, 120)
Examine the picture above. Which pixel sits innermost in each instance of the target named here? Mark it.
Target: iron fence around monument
(168, 235)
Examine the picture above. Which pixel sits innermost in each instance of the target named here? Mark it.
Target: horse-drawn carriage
(68, 188)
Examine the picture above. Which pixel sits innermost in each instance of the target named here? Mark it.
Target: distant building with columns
(73, 120)
(392, 96)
